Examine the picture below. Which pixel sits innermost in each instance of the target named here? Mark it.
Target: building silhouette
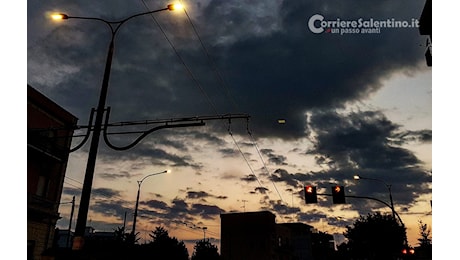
(255, 235)
(323, 246)
(250, 235)
(295, 240)
(49, 135)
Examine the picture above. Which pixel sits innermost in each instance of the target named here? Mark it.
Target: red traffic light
(408, 251)
(310, 194)
(338, 195)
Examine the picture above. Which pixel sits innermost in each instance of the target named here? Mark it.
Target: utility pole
(204, 233)
(70, 221)
(124, 223)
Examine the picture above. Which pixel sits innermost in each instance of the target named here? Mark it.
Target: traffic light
(338, 195)
(408, 253)
(310, 194)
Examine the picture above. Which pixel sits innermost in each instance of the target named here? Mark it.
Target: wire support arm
(144, 133)
(171, 122)
(178, 119)
(88, 131)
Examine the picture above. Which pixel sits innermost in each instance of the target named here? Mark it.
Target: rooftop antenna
(244, 205)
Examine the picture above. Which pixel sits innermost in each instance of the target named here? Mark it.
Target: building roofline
(36, 97)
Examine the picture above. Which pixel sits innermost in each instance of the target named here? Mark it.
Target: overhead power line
(223, 84)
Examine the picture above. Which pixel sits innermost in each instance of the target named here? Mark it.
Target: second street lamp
(133, 232)
(114, 26)
(358, 177)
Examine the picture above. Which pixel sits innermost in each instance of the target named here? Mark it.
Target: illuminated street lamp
(357, 177)
(133, 232)
(90, 166)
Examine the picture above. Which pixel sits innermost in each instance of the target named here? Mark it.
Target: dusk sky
(354, 102)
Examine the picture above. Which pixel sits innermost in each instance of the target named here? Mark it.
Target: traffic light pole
(370, 198)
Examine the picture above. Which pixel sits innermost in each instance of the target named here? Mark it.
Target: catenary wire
(225, 85)
(189, 71)
(197, 83)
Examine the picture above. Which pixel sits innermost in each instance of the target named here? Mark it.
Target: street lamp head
(356, 177)
(168, 171)
(59, 16)
(173, 7)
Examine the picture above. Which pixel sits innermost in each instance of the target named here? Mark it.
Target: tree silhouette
(120, 234)
(376, 237)
(125, 237)
(424, 240)
(204, 250)
(424, 250)
(165, 247)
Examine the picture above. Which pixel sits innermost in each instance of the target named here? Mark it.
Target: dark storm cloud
(406, 185)
(249, 178)
(282, 208)
(422, 136)
(105, 193)
(339, 221)
(261, 190)
(114, 176)
(197, 195)
(303, 75)
(275, 71)
(281, 175)
(172, 143)
(203, 195)
(179, 205)
(206, 211)
(311, 216)
(156, 204)
(177, 210)
(110, 208)
(209, 138)
(106, 226)
(274, 158)
(363, 143)
(360, 138)
(228, 152)
(156, 156)
(71, 191)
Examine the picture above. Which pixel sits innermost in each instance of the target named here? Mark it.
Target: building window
(42, 186)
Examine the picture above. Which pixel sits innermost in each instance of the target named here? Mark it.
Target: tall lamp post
(133, 232)
(90, 166)
(358, 177)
